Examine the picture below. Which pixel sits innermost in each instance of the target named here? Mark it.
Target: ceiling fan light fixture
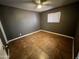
(39, 6)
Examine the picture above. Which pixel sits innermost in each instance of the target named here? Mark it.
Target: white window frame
(54, 17)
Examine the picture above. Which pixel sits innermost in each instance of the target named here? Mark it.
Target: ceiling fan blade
(39, 1)
(47, 2)
(48, 5)
(43, 1)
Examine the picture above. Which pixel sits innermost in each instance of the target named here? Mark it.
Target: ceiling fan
(38, 3)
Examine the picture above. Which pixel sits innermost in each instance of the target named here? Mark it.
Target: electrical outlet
(20, 34)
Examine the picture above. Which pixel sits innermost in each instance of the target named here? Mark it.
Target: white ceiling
(32, 7)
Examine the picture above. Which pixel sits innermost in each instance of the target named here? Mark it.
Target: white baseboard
(58, 34)
(23, 36)
(39, 31)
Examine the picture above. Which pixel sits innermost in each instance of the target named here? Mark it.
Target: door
(3, 54)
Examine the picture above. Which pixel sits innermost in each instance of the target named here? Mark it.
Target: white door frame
(3, 32)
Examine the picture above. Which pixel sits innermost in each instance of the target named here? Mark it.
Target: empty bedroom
(39, 29)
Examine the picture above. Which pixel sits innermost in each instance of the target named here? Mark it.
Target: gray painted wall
(68, 21)
(16, 21)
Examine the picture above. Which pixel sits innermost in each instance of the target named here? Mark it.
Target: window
(54, 17)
